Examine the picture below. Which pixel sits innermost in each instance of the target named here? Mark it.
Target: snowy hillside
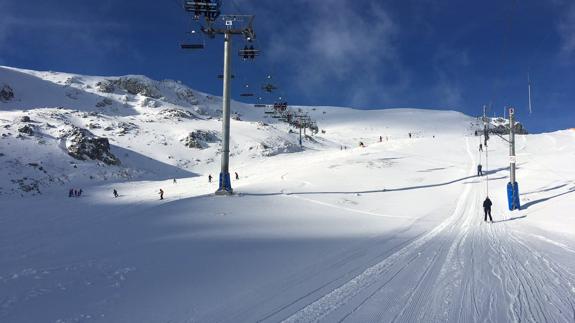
(389, 232)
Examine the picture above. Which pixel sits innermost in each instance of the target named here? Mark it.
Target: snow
(390, 232)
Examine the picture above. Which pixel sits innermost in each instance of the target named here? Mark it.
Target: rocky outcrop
(199, 139)
(501, 126)
(82, 144)
(26, 129)
(176, 114)
(104, 102)
(132, 85)
(6, 93)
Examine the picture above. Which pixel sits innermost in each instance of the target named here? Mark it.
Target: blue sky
(367, 54)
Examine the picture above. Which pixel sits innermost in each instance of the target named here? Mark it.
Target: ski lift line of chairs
(210, 9)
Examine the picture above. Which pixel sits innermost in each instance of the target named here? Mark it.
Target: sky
(457, 55)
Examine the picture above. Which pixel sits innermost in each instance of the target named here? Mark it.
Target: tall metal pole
(511, 146)
(225, 187)
(512, 186)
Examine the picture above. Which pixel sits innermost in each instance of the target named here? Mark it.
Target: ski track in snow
(462, 264)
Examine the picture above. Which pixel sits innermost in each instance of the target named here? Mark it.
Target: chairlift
(194, 44)
(249, 52)
(269, 87)
(247, 93)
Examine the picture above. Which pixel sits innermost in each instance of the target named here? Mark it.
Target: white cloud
(566, 29)
(336, 43)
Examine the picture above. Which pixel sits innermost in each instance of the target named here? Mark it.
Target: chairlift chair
(194, 44)
(249, 52)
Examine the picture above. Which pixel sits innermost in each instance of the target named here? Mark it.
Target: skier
(80, 193)
(175, 181)
(71, 192)
(209, 178)
(487, 209)
(115, 193)
(479, 171)
(361, 144)
(480, 147)
(237, 176)
(380, 139)
(410, 135)
(161, 194)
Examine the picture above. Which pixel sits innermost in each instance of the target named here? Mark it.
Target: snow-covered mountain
(389, 231)
(61, 129)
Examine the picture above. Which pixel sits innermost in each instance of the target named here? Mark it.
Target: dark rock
(26, 129)
(199, 139)
(6, 93)
(82, 144)
(137, 86)
(176, 114)
(106, 86)
(104, 102)
(25, 119)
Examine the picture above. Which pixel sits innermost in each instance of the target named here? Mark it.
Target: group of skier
(160, 192)
(75, 192)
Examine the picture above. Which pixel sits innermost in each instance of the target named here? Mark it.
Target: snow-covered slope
(392, 231)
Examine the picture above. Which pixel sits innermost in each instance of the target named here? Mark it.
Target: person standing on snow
(487, 209)
(237, 176)
(209, 178)
(161, 194)
(479, 171)
(175, 181)
(115, 193)
(480, 147)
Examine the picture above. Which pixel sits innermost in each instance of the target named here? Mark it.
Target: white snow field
(392, 232)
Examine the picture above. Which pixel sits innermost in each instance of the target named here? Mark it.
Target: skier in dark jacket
(115, 193)
(237, 176)
(480, 147)
(71, 192)
(479, 170)
(161, 192)
(210, 178)
(487, 209)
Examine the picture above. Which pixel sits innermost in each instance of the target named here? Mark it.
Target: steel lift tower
(229, 26)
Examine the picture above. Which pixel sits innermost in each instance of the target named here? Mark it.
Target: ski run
(332, 232)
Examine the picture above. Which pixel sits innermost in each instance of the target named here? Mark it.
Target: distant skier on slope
(487, 209)
(161, 192)
(175, 181)
(115, 193)
(479, 170)
(480, 147)
(237, 176)
(209, 178)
